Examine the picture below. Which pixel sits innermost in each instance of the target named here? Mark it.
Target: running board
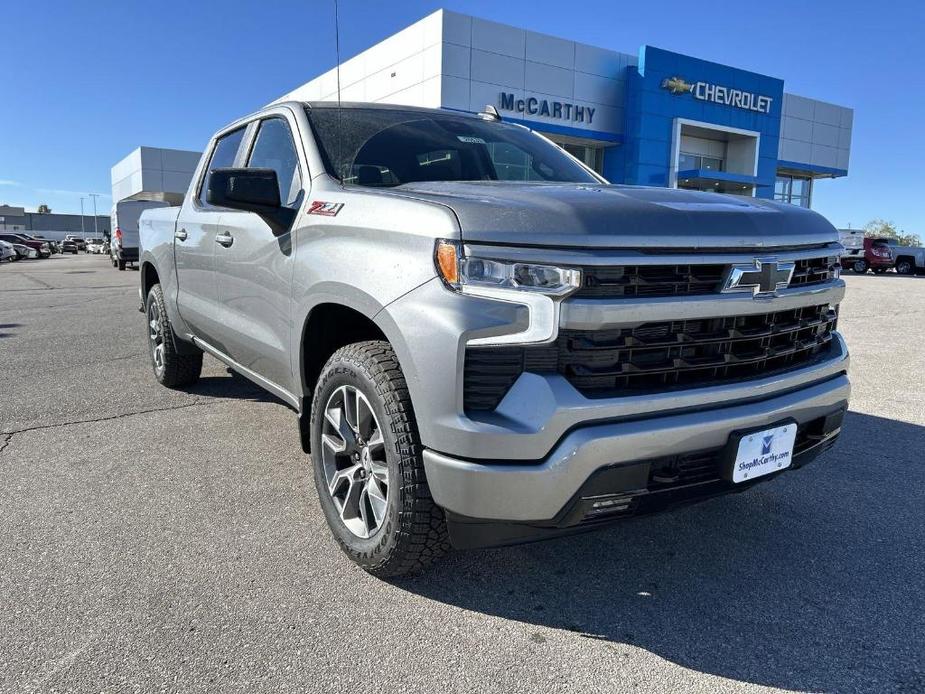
(264, 383)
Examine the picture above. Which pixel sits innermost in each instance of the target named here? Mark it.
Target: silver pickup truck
(485, 342)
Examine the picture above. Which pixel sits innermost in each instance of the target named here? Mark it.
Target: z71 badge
(328, 209)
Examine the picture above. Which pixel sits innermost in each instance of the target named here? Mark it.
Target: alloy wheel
(156, 337)
(353, 458)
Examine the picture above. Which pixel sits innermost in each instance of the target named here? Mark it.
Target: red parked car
(878, 256)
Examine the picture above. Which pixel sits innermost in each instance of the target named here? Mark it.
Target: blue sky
(85, 83)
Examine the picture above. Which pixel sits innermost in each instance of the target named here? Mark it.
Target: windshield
(389, 147)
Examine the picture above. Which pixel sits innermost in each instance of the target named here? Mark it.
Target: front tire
(171, 368)
(860, 267)
(904, 267)
(368, 464)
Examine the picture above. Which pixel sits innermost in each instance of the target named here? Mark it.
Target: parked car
(81, 243)
(877, 256)
(7, 252)
(853, 242)
(25, 252)
(40, 247)
(69, 246)
(94, 246)
(481, 362)
(910, 260)
(124, 218)
(52, 245)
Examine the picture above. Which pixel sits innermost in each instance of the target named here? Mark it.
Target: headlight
(459, 273)
(541, 288)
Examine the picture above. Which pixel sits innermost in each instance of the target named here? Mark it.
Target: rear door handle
(180, 235)
(225, 239)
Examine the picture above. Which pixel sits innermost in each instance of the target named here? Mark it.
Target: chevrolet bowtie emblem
(763, 278)
(677, 85)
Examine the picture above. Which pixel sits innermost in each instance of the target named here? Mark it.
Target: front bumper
(430, 326)
(541, 492)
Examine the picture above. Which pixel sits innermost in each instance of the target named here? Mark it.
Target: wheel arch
(149, 277)
(332, 323)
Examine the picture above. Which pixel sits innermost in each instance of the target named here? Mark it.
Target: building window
(796, 190)
(593, 157)
(688, 162)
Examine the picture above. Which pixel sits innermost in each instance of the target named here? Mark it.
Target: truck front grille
(653, 357)
(631, 281)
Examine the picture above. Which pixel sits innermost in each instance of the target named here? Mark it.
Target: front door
(254, 267)
(194, 249)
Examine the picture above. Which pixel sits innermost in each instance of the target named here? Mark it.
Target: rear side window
(223, 156)
(274, 149)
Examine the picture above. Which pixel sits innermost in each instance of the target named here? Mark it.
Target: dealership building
(653, 118)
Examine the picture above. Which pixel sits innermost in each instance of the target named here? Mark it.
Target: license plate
(763, 452)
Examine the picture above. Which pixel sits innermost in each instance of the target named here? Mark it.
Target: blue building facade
(666, 88)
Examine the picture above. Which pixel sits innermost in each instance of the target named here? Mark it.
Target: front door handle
(180, 235)
(225, 239)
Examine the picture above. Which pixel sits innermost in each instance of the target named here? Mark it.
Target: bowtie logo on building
(677, 85)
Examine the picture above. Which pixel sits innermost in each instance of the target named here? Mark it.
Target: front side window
(223, 156)
(274, 149)
(392, 147)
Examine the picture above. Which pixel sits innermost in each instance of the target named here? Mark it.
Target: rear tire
(905, 267)
(171, 369)
(369, 469)
(860, 266)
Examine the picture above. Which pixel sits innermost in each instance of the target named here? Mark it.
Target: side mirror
(251, 190)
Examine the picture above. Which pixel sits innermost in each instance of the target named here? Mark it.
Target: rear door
(194, 246)
(254, 267)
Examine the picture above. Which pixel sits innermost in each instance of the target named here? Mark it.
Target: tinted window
(226, 149)
(275, 150)
(388, 147)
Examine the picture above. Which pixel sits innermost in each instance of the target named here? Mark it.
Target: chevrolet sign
(728, 96)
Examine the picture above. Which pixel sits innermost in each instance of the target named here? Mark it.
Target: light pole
(82, 216)
(96, 233)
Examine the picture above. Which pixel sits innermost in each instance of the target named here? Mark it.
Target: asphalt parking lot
(153, 540)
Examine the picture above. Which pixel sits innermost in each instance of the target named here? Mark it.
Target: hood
(616, 216)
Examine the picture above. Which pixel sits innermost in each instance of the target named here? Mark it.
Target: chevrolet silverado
(485, 342)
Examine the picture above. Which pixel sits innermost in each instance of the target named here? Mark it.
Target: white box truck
(123, 247)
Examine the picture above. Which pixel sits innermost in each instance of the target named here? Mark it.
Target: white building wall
(455, 61)
(815, 132)
(482, 59)
(154, 173)
(402, 69)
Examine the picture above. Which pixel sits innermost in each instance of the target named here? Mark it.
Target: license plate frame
(746, 450)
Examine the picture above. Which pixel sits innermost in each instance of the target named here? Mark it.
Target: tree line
(881, 228)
